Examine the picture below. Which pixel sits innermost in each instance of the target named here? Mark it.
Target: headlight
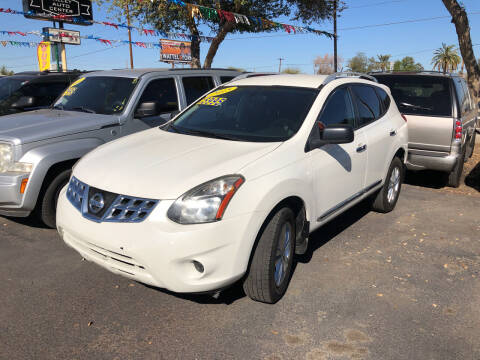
(206, 202)
(6, 161)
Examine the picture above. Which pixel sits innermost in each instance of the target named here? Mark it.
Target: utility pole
(129, 35)
(280, 65)
(335, 59)
(62, 50)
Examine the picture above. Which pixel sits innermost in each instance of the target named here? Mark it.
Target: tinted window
(461, 96)
(368, 104)
(338, 110)
(9, 85)
(248, 113)
(164, 93)
(225, 79)
(384, 99)
(196, 87)
(420, 94)
(99, 94)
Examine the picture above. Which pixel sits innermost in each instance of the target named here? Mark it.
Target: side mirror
(334, 134)
(23, 102)
(146, 109)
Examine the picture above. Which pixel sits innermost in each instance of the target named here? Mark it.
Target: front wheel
(387, 197)
(272, 262)
(47, 207)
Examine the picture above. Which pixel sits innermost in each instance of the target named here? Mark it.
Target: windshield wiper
(202, 133)
(415, 106)
(83, 109)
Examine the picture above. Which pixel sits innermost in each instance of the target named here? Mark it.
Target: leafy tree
(291, 71)
(407, 64)
(236, 69)
(446, 58)
(460, 19)
(358, 63)
(315, 11)
(5, 71)
(384, 62)
(325, 64)
(172, 17)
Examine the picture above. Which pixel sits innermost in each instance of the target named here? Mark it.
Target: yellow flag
(43, 54)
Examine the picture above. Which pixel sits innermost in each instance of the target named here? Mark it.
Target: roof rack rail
(187, 69)
(348, 74)
(412, 72)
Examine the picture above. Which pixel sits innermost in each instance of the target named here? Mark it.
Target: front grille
(103, 206)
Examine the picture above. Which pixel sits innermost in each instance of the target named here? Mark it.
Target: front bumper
(11, 200)
(160, 252)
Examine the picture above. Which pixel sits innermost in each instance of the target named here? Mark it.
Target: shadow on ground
(473, 178)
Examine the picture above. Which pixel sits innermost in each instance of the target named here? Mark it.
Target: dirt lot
(403, 285)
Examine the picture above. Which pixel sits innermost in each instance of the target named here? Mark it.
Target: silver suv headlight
(206, 202)
(8, 165)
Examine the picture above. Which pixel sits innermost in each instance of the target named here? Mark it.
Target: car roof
(298, 80)
(413, 73)
(135, 73)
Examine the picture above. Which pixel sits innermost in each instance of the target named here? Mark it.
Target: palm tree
(384, 62)
(446, 58)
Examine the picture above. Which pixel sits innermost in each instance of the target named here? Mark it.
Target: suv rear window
(419, 94)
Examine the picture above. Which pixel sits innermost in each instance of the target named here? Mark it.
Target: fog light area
(198, 266)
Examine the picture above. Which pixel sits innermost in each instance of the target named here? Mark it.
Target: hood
(157, 164)
(46, 123)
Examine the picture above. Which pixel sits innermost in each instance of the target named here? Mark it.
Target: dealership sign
(175, 51)
(62, 36)
(46, 9)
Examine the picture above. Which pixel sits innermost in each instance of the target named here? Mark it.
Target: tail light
(458, 129)
(404, 117)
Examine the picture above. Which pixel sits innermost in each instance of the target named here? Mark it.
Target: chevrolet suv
(232, 187)
(442, 117)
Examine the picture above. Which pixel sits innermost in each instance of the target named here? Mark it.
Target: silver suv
(442, 117)
(39, 148)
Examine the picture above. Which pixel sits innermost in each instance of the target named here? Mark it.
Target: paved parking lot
(399, 286)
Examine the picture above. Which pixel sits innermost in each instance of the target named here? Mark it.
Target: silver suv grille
(103, 206)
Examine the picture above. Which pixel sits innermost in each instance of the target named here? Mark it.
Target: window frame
(144, 87)
(182, 77)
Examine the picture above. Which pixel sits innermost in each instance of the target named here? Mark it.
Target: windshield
(97, 94)
(248, 113)
(8, 86)
(419, 94)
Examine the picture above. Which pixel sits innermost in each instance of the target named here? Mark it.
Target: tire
(48, 202)
(455, 176)
(387, 197)
(265, 281)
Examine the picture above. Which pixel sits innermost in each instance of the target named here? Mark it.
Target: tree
(460, 19)
(384, 62)
(291, 71)
(5, 71)
(172, 17)
(446, 58)
(358, 63)
(236, 69)
(324, 65)
(407, 64)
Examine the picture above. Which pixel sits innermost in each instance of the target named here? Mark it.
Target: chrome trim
(124, 209)
(349, 200)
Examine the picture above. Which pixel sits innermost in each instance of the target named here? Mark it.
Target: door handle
(361, 148)
(393, 132)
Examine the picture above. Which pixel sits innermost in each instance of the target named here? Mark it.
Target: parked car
(32, 90)
(38, 148)
(442, 117)
(234, 185)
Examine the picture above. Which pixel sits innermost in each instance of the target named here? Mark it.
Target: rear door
(426, 101)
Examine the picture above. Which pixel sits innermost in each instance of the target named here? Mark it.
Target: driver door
(338, 170)
(163, 93)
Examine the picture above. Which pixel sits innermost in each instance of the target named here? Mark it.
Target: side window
(461, 96)
(164, 93)
(338, 110)
(467, 95)
(384, 99)
(224, 79)
(44, 93)
(368, 104)
(196, 87)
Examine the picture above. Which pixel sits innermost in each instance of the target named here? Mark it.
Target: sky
(261, 51)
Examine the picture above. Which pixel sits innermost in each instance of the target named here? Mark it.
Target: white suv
(233, 186)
